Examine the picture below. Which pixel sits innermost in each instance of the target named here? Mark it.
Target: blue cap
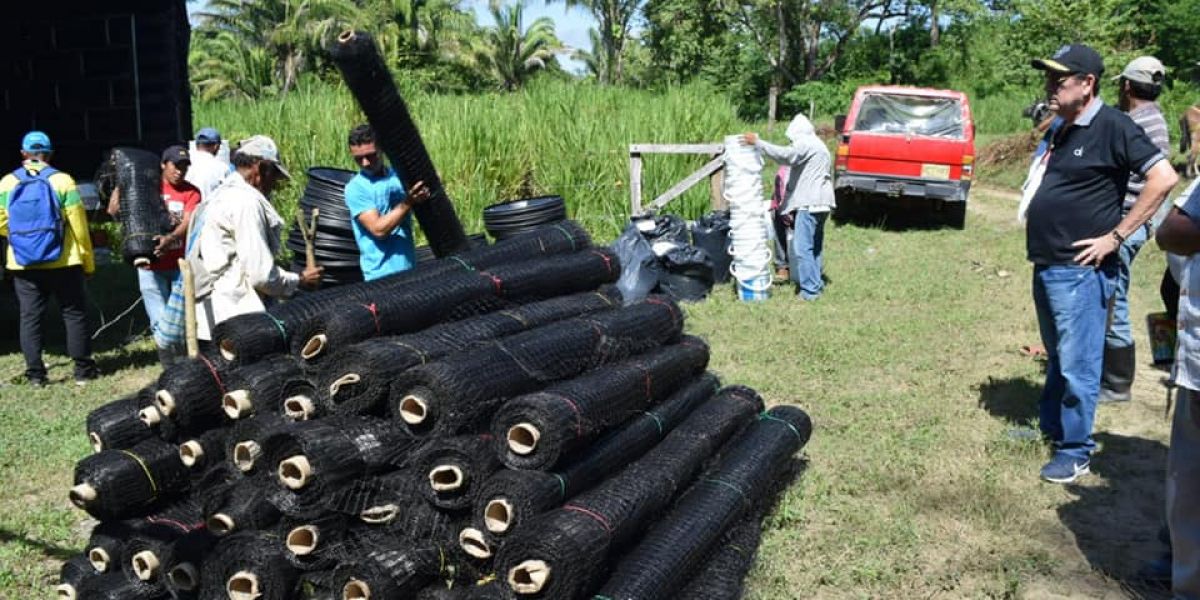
(36, 141)
(208, 135)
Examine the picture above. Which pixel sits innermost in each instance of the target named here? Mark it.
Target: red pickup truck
(906, 147)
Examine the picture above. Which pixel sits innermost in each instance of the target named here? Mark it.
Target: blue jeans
(156, 289)
(1072, 311)
(805, 262)
(1120, 332)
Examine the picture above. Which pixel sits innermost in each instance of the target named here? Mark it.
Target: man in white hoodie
(235, 238)
(807, 200)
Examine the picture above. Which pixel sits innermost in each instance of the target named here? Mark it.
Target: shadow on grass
(1116, 516)
(1013, 399)
(48, 550)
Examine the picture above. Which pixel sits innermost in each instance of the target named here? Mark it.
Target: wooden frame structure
(713, 169)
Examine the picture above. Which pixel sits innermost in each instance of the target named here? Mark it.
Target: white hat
(1144, 69)
(261, 146)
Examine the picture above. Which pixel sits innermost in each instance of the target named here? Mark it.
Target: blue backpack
(35, 222)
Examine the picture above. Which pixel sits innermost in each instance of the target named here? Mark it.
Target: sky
(571, 24)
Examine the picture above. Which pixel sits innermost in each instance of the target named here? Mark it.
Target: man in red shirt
(154, 280)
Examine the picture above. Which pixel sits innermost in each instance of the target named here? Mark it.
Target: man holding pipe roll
(380, 210)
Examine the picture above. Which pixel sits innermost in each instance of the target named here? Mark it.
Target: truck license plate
(935, 171)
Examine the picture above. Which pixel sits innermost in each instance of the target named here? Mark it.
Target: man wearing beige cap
(235, 236)
(1138, 86)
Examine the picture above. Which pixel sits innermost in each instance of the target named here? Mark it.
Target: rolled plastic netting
(143, 214)
(106, 545)
(455, 297)
(248, 440)
(250, 565)
(263, 386)
(240, 506)
(562, 553)
(534, 431)
(71, 578)
(723, 573)
(381, 495)
(313, 543)
(116, 586)
(511, 497)
(117, 425)
(377, 566)
(454, 468)
(493, 590)
(183, 563)
(461, 391)
(151, 548)
(204, 451)
(315, 457)
(114, 484)
(189, 394)
(725, 494)
(319, 585)
(370, 81)
(247, 338)
(356, 379)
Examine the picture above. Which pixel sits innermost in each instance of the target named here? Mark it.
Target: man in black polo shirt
(1073, 230)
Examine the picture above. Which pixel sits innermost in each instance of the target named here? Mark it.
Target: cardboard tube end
(523, 438)
(83, 495)
(498, 515)
(529, 577)
(237, 404)
(295, 471)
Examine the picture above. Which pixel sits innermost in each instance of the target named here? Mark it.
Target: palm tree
(222, 66)
(615, 18)
(509, 53)
(289, 30)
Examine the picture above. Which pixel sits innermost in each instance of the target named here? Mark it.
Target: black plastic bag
(640, 269)
(711, 233)
(664, 232)
(687, 274)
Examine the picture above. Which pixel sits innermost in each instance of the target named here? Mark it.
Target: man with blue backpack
(49, 254)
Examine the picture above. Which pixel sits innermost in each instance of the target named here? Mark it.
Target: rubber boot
(1117, 378)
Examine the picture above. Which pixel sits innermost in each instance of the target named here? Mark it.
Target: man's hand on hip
(1095, 250)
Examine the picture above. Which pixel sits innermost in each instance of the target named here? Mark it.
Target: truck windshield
(914, 115)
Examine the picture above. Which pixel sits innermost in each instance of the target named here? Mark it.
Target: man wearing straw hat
(236, 235)
(60, 267)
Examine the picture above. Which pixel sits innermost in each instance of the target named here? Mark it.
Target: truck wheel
(955, 214)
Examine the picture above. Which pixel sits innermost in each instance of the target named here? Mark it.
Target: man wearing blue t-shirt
(379, 210)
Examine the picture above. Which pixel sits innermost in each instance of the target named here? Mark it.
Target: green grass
(908, 366)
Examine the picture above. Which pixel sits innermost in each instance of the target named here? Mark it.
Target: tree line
(772, 56)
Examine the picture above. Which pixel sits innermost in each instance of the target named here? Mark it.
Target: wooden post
(635, 182)
(716, 188)
(189, 308)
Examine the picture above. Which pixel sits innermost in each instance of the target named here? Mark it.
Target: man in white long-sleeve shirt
(236, 236)
(807, 200)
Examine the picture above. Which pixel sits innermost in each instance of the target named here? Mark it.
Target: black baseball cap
(1073, 58)
(176, 154)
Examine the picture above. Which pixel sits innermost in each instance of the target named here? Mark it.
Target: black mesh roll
(247, 338)
(248, 440)
(106, 545)
(512, 496)
(562, 553)
(184, 563)
(379, 566)
(535, 430)
(73, 574)
(243, 505)
(489, 591)
(189, 396)
(722, 574)
(453, 469)
(115, 586)
(461, 391)
(204, 451)
(150, 549)
(356, 380)
(318, 585)
(114, 484)
(724, 495)
(251, 563)
(314, 458)
(117, 425)
(143, 215)
(264, 386)
(369, 80)
(396, 310)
